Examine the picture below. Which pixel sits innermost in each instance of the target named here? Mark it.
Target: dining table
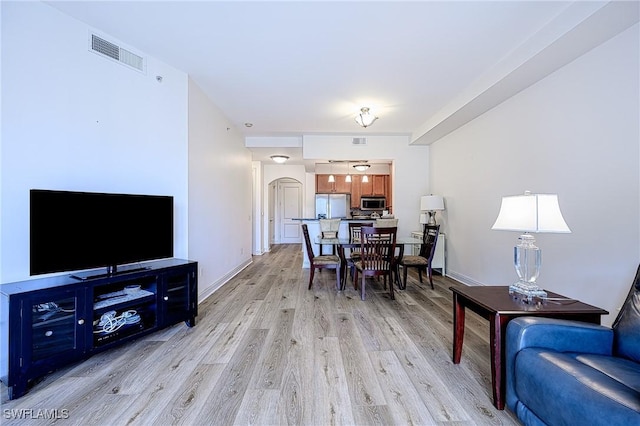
(343, 243)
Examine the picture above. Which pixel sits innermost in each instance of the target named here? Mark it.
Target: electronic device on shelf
(121, 296)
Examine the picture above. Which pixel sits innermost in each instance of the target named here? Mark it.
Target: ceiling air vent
(359, 141)
(113, 51)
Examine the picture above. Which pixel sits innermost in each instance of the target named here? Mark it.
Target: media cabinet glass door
(53, 330)
(179, 297)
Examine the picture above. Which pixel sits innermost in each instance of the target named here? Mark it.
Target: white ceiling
(295, 68)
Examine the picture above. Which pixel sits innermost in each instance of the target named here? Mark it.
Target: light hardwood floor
(267, 351)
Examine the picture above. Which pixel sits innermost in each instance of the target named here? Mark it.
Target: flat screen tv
(73, 231)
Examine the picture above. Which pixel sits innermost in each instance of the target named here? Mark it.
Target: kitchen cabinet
(47, 323)
(379, 185)
(356, 189)
(323, 186)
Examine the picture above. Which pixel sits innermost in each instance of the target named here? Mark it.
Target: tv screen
(71, 231)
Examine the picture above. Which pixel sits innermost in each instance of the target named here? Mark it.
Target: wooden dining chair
(424, 258)
(329, 229)
(377, 248)
(386, 223)
(354, 238)
(328, 261)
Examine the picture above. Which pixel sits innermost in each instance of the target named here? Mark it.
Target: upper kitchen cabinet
(323, 186)
(379, 185)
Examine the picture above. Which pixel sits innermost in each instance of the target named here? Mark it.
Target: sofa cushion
(622, 370)
(559, 389)
(626, 327)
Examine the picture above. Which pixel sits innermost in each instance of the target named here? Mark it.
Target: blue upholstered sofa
(571, 373)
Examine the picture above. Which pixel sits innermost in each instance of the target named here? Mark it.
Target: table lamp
(529, 213)
(430, 204)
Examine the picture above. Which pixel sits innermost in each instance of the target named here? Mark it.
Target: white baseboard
(463, 278)
(212, 288)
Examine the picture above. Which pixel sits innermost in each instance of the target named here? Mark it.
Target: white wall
(220, 205)
(73, 120)
(575, 133)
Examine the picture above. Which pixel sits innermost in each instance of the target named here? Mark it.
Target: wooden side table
(495, 304)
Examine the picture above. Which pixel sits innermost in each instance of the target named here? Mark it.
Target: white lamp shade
(431, 202)
(531, 213)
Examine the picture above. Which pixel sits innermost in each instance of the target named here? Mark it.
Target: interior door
(290, 208)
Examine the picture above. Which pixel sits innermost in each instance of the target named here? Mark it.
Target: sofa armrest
(559, 335)
(556, 334)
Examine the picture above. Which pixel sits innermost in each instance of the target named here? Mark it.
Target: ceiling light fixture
(365, 118)
(361, 167)
(279, 158)
(347, 179)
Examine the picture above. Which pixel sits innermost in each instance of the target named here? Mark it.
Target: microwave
(373, 203)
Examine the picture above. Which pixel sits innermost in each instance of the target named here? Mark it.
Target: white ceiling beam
(580, 28)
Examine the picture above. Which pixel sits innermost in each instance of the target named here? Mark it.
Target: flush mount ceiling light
(365, 118)
(361, 167)
(279, 158)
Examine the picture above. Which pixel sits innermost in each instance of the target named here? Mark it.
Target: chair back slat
(377, 247)
(355, 231)
(429, 239)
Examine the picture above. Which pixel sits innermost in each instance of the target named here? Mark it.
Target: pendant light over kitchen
(348, 177)
(362, 168)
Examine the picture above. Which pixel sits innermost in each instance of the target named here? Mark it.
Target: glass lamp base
(526, 291)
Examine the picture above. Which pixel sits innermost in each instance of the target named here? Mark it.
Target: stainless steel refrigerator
(333, 206)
